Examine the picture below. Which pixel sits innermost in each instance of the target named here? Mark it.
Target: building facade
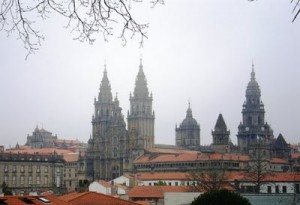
(112, 148)
(24, 173)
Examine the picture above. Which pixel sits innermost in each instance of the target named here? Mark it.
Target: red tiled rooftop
(93, 198)
(154, 191)
(42, 151)
(35, 200)
(144, 176)
(188, 157)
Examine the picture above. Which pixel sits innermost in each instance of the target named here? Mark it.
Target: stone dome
(189, 121)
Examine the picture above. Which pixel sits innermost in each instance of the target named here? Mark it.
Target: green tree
(220, 197)
(160, 183)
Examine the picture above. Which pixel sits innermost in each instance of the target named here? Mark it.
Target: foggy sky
(200, 51)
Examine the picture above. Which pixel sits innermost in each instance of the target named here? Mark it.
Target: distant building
(41, 138)
(188, 132)
(253, 127)
(221, 141)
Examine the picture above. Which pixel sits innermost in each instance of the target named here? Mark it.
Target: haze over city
(197, 51)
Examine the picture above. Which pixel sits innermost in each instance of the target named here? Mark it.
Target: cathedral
(113, 147)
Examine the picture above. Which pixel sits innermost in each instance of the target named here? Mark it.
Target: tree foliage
(85, 18)
(220, 197)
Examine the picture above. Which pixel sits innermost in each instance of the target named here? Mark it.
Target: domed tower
(140, 117)
(253, 129)
(220, 136)
(188, 133)
(106, 152)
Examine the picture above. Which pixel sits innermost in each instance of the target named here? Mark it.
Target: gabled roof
(93, 198)
(155, 191)
(280, 143)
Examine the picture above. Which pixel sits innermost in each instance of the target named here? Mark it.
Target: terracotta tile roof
(154, 191)
(279, 161)
(35, 200)
(43, 151)
(144, 176)
(71, 157)
(93, 198)
(191, 156)
(295, 155)
(275, 177)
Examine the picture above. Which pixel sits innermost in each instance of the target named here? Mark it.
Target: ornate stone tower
(107, 148)
(220, 136)
(188, 133)
(140, 117)
(253, 129)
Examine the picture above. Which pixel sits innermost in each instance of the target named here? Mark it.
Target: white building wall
(180, 198)
(96, 187)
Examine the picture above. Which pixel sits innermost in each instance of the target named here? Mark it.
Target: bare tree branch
(86, 18)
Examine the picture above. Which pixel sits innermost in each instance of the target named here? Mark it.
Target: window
(30, 180)
(283, 189)
(297, 188)
(6, 168)
(14, 168)
(57, 169)
(30, 168)
(14, 178)
(277, 189)
(6, 179)
(46, 180)
(38, 169)
(46, 169)
(38, 179)
(22, 180)
(176, 183)
(22, 168)
(269, 189)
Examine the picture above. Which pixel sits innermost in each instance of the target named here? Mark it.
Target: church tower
(188, 133)
(140, 117)
(253, 128)
(221, 136)
(107, 148)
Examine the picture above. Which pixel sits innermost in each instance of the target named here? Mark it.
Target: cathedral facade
(112, 147)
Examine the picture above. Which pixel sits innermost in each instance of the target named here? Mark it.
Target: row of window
(29, 180)
(23, 168)
(190, 164)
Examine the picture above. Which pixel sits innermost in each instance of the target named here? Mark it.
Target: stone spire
(141, 89)
(253, 87)
(105, 95)
(189, 113)
(220, 124)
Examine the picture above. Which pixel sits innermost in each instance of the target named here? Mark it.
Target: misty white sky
(197, 50)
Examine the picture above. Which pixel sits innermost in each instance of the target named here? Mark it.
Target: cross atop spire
(252, 72)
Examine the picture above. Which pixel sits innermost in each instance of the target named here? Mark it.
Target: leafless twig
(86, 18)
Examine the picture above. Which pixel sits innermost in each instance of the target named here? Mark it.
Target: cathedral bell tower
(106, 154)
(140, 117)
(253, 128)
